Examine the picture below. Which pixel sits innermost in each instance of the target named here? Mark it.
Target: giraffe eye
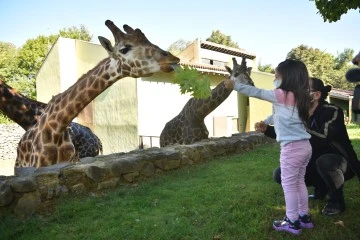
(126, 49)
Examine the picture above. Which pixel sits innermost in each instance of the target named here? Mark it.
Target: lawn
(232, 197)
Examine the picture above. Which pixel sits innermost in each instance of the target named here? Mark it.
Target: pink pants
(294, 157)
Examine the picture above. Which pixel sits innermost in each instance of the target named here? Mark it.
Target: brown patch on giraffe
(63, 104)
(50, 152)
(53, 125)
(46, 135)
(60, 116)
(144, 63)
(106, 76)
(70, 109)
(96, 85)
(132, 65)
(126, 68)
(66, 153)
(137, 63)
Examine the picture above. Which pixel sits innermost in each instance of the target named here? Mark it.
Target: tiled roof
(206, 68)
(227, 50)
(341, 94)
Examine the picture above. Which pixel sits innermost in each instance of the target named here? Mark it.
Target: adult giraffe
(188, 126)
(26, 112)
(132, 55)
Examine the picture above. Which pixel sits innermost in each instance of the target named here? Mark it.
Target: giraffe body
(26, 112)
(189, 127)
(133, 55)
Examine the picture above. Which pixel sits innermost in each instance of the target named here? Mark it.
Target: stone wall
(33, 190)
(10, 135)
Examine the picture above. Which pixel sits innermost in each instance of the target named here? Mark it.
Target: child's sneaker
(305, 221)
(287, 226)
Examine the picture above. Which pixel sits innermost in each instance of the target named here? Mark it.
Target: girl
(291, 101)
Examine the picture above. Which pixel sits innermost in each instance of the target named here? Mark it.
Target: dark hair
(295, 79)
(318, 85)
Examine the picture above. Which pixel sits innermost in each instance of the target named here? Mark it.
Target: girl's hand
(260, 127)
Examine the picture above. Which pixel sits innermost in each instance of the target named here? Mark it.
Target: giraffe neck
(200, 108)
(64, 107)
(22, 110)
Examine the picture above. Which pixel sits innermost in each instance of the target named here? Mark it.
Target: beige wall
(159, 101)
(48, 77)
(260, 109)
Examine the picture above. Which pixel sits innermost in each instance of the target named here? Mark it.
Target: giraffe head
(356, 60)
(135, 54)
(240, 72)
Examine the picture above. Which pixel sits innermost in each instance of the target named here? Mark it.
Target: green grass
(226, 198)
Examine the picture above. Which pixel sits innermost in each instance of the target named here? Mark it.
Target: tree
(266, 68)
(8, 53)
(178, 46)
(333, 10)
(34, 51)
(220, 38)
(73, 32)
(324, 65)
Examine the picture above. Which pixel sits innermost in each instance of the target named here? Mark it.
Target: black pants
(327, 173)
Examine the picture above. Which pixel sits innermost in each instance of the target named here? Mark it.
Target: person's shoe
(287, 226)
(333, 208)
(305, 221)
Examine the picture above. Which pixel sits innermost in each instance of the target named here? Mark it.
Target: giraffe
(26, 112)
(188, 126)
(133, 55)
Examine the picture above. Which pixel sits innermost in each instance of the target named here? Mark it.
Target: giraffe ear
(249, 70)
(228, 69)
(106, 44)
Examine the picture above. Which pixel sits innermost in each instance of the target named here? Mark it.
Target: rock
(6, 194)
(130, 176)
(28, 203)
(23, 184)
(97, 174)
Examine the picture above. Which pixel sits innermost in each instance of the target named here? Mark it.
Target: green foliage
(8, 53)
(220, 38)
(18, 67)
(4, 119)
(33, 53)
(266, 68)
(325, 66)
(333, 10)
(178, 46)
(191, 81)
(73, 32)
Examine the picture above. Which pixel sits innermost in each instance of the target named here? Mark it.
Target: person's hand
(260, 127)
(229, 84)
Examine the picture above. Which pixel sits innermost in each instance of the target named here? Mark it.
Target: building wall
(159, 101)
(259, 109)
(113, 114)
(48, 77)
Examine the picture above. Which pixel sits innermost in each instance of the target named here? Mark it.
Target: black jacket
(329, 135)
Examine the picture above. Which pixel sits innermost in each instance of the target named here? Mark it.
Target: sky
(269, 29)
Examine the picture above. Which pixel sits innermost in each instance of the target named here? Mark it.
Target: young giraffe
(189, 127)
(26, 112)
(48, 142)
